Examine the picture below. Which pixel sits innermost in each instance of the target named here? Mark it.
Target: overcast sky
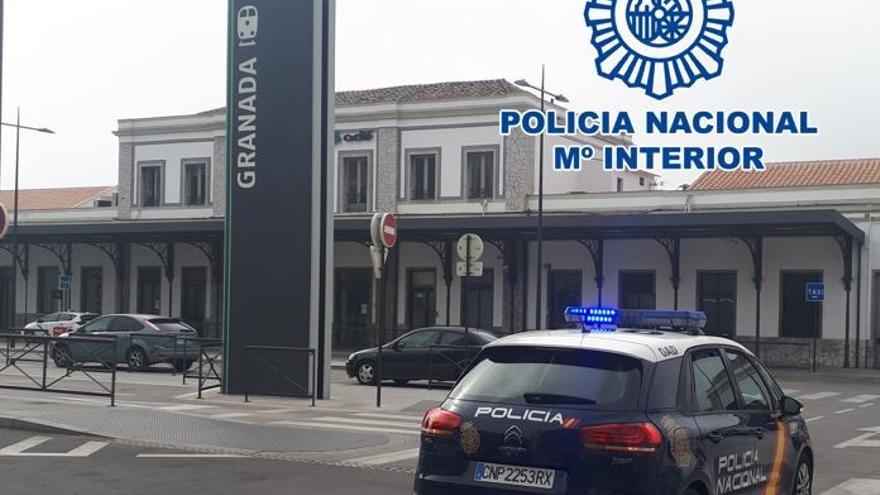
(78, 66)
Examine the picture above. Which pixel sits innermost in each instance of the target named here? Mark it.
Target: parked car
(409, 357)
(55, 324)
(141, 341)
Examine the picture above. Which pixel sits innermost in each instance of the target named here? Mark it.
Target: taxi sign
(816, 292)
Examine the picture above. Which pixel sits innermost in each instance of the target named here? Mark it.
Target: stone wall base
(799, 353)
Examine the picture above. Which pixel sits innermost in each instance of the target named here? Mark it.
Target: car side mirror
(791, 407)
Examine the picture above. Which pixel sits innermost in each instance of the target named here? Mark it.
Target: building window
(422, 298)
(149, 290)
(563, 290)
(195, 183)
(92, 289)
(355, 184)
(642, 181)
(480, 296)
(480, 174)
(637, 290)
(151, 186)
(619, 185)
(423, 176)
(799, 318)
(194, 296)
(47, 289)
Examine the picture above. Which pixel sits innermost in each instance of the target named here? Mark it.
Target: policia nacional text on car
(638, 402)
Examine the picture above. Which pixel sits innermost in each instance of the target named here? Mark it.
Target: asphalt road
(121, 469)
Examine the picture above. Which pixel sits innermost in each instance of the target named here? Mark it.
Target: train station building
(744, 247)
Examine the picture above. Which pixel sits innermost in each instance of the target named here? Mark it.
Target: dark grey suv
(141, 341)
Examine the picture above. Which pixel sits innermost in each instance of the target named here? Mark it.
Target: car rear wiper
(541, 398)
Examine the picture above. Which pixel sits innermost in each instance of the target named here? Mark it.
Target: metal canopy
(801, 223)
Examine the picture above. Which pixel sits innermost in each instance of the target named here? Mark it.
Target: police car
(638, 402)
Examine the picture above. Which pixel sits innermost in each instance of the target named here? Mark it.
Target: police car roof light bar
(678, 321)
(593, 319)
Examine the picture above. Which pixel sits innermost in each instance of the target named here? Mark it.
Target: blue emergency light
(603, 318)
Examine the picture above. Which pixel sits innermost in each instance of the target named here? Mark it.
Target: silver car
(141, 341)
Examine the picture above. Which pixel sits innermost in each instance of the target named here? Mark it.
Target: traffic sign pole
(383, 231)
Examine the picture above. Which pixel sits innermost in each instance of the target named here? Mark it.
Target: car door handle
(716, 437)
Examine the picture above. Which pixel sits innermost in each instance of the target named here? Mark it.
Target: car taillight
(635, 437)
(59, 330)
(440, 423)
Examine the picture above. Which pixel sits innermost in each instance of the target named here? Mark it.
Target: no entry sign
(4, 221)
(389, 230)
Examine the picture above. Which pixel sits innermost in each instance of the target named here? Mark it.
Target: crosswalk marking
(190, 456)
(856, 487)
(868, 440)
(861, 399)
(815, 418)
(333, 426)
(843, 411)
(279, 411)
(20, 449)
(791, 391)
(230, 415)
(369, 422)
(388, 458)
(186, 407)
(417, 419)
(870, 404)
(818, 396)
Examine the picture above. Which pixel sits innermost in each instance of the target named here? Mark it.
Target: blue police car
(638, 402)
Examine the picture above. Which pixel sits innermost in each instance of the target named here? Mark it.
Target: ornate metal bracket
(211, 251)
(443, 250)
(23, 257)
(596, 247)
(755, 246)
(61, 250)
(114, 251)
(165, 252)
(673, 250)
(846, 249)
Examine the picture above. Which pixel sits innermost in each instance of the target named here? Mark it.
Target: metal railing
(256, 352)
(90, 359)
(154, 344)
(210, 363)
(459, 365)
(808, 359)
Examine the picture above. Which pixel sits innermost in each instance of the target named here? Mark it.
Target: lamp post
(540, 234)
(14, 232)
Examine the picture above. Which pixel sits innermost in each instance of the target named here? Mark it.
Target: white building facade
(433, 155)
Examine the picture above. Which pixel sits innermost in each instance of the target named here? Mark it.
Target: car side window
(753, 392)
(418, 340)
(126, 324)
(51, 317)
(98, 325)
(776, 392)
(713, 390)
(65, 317)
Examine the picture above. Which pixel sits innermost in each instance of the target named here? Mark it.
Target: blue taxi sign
(816, 292)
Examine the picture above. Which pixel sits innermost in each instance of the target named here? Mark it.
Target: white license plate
(514, 475)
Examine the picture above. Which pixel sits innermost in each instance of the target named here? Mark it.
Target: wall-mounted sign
(816, 292)
(4, 221)
(354, 137)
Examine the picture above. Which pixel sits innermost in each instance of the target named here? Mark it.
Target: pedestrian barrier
(458, 362)
(87, 356)
(162, 347)
(258, 353)
(210, 362)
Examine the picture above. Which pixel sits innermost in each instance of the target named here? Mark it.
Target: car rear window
(171, 325)
(580, 379)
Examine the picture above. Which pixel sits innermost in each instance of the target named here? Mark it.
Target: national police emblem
(469, 439)
(659, 45)
(681, 445)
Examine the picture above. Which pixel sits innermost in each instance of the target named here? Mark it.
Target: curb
(43, 427)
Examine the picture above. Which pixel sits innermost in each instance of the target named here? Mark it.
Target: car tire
(803, 478)
(136, 359)
(182, 366)
(61, 356)
(365, 372)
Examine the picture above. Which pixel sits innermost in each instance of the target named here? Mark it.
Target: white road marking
(818, 396)
(843, 411)
(861, 399)
(816, 418)
(86, 449)
(417, 419)
(389, 458)
(856, 487)
(871, 404)
(28, 443)
(791, 391)
(19, 449)
(186, 407)
(190, 456)
(863, 440)
(230, 415)
(368, 422)
(332, 426)
(279, 411)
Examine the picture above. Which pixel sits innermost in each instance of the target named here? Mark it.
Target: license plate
(514, 475)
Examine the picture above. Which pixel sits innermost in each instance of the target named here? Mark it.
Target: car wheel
(366, 373)
(61, 356)
(182, 366)
(803, 478)
(401, 383)
(136, 359)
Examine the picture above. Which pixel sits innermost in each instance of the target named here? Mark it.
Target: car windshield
(580, 378)
(171, 325)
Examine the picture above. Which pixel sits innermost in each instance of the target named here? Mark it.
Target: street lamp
(554, 98)
(14, 231)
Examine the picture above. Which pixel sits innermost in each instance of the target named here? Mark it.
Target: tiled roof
(428, 92)
(53, 199)
(794, 174)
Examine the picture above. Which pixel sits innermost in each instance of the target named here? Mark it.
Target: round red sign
(4, 221)
(389, 230)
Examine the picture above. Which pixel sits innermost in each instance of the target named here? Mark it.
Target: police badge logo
(469, 439)
(659, 45)
(681, 445)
